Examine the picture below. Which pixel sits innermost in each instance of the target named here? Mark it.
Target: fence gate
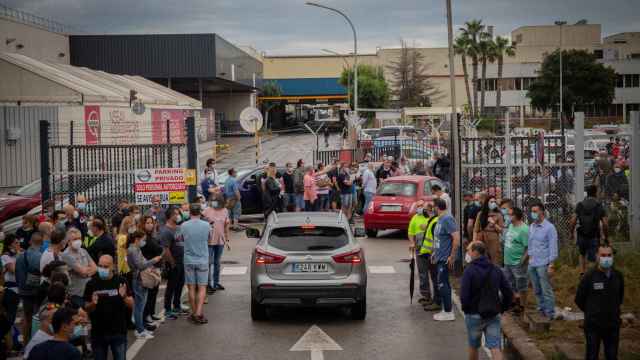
(104, 174)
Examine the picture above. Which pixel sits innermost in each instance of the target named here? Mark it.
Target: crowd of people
(84, 282)
(508, 248)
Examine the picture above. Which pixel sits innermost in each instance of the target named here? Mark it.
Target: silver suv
(308, 259)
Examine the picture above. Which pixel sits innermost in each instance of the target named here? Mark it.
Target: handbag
(150, 277)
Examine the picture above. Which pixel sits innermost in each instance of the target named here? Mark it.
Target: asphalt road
(393, 329)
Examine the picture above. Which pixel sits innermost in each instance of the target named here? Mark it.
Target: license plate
(391, 208)
(310, 267)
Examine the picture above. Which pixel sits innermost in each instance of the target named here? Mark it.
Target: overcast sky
(282, 27)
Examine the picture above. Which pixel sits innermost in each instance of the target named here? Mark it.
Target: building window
(526, 83)
(619, 81)
(634, 56)
(519, 38)
(632, 80)
(508, 84)
(598, 54)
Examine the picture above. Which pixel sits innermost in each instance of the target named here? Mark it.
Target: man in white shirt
(437, 191)
(54, 251)
(44, 332)
(369, 185)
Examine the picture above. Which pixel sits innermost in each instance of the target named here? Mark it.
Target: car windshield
(389, 132)
(321, 238)
(29, 189)
(222, 177)
(397, 189)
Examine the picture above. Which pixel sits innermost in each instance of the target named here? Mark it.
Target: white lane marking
(135, 348)
(456, 301)
(381, 269)
(234, 270)
(316, 341)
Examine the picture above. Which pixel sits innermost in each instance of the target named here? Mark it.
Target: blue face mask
(143, 243)
(534, 216)
(606, 262)
(78, 331)
(505, 212)
(103, 273)
(476, 203)
(81, 206)
(493, 206)
(51, 329)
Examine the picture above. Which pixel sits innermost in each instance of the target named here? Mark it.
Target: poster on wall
(124, 128)
(159, 118)
(169, 184)
(92, 124)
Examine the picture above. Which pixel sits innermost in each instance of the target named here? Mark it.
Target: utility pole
(560, 24)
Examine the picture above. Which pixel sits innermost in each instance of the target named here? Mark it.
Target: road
(393, 329)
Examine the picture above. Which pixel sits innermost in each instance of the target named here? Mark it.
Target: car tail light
(264, 257)
(352, 257)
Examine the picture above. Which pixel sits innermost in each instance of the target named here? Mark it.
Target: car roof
(289, 219)
(411, 178)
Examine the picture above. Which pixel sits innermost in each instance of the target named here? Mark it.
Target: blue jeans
(140, 300)
(288, 199)
(444, 288)
(542, 289)
(117, 344)
(215, 253)
(491, 328)
(368, 196)
(300, 201)
(323, 202)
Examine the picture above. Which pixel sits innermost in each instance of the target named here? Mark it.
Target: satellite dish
(251, 119)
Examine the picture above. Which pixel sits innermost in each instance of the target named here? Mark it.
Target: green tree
(410, 82)
(473, 30)
(503, 47)
(461, 47)
(373, 91)
(585, 81)
(486, 50)
(270, 89)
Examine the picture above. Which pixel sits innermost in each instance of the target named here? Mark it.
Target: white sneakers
(145, 335)
(444, 316)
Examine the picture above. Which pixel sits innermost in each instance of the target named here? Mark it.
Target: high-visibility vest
(427, 243)
(88, 241)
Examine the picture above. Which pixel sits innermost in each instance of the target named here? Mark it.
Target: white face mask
(468, 259)
(76, 214)
(76, 244)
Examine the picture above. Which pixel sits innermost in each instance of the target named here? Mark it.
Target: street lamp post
(355, 52)
(346, 64)
(560, 24)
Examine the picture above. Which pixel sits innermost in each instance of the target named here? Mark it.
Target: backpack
(588, 216)
(298, 181)
(489, 302)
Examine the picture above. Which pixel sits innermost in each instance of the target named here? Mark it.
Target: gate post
(578, 155)
(44, 162)
(71, 168)
(192, 154)
(634, 223)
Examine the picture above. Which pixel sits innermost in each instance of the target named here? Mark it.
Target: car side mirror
(253, 233)
(359, 232)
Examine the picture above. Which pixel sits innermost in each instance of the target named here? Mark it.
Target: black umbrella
(412, 267)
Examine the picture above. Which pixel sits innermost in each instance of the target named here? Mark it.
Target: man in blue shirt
(543, 250)
(446, 242)
(195, 234)
(28, 279)
(233, 198)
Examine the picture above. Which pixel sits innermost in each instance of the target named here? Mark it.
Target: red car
(394, 203)
(20, 202)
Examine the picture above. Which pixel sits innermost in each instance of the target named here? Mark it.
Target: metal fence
(103, 174)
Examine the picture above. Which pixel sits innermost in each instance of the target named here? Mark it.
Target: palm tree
(461, 48)
(486, 54)
(473, 29)
(502, 47)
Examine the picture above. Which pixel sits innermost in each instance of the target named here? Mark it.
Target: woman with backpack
(488, 228)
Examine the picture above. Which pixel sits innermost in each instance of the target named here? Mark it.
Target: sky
(289, 27)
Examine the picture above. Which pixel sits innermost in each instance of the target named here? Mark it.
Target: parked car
(250, 192)
(308, 259)
(20, 201)
(394, 203)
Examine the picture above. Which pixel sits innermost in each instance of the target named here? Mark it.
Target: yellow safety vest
(427, 243)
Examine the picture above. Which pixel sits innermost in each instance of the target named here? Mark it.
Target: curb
(519, 341)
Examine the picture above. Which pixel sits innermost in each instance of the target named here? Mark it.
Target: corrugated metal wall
(20, 160)
(150, 56)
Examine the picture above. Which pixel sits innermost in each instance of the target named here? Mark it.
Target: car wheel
(258, 311)
(359, 309)
(372, 233)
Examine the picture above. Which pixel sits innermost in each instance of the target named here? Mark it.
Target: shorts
(236, 211)
(517, 277)
(588, 247)
(476, 326)
(196, 274)
(300, 201)
(346, 200)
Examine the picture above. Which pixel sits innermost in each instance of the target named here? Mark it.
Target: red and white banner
(169, 184)
(92, 124)
(159, 118)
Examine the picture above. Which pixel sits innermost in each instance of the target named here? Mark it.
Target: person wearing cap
(195, 235)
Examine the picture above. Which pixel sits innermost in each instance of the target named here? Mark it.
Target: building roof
(66, 83)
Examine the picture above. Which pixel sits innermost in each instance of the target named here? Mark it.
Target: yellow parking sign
(190, 177)
(177, 197)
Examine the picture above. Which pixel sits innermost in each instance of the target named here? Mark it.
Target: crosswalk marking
(381, 269)
(234, 270)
